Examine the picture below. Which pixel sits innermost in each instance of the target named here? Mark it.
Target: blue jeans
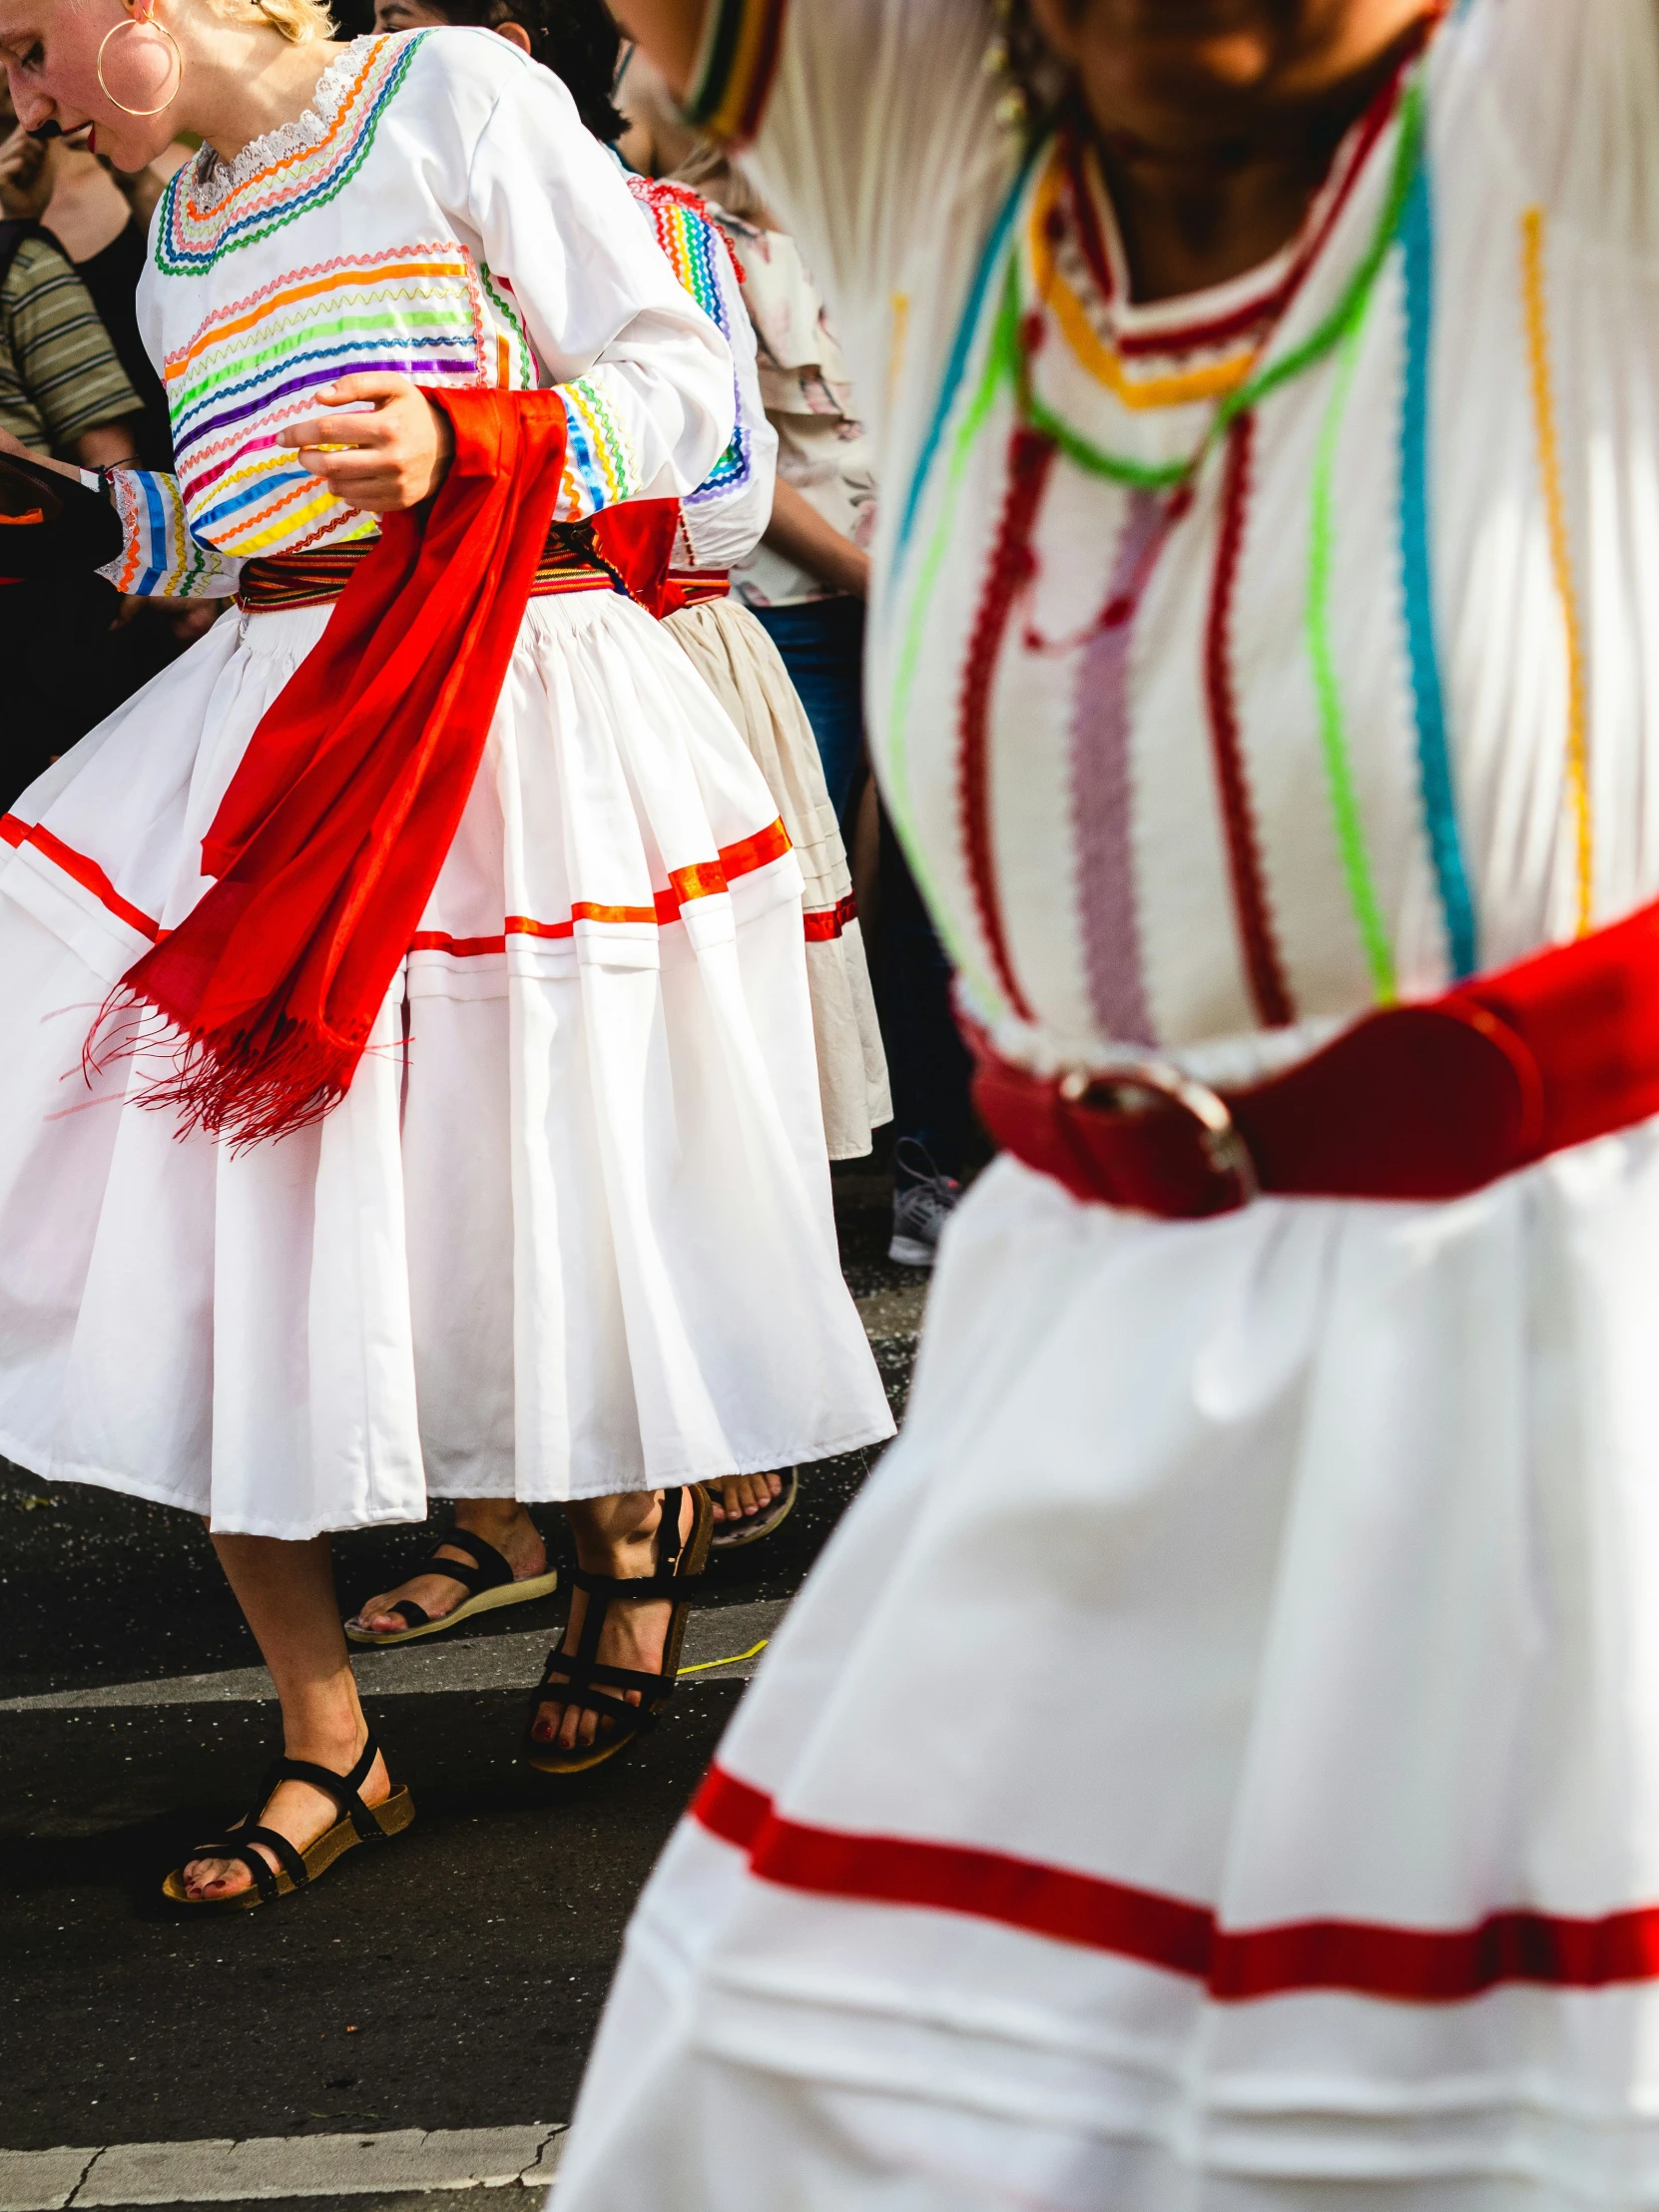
(822, 643)
(927, 1059)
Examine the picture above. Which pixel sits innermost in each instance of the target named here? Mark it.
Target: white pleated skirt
(570, 1232)
(1215, 1766)
(737, 659)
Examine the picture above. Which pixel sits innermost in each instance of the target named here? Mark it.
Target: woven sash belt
(695, 587)
(1428, 1101)
(569, 562)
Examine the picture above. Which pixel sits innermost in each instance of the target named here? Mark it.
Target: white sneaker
(921, 1208)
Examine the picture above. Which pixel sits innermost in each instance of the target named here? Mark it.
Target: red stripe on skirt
(1362, 1959)
(80, 870)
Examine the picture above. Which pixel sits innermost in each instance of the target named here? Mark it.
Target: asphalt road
(452, 1981)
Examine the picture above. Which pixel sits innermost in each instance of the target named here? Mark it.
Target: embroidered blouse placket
(1040, 434)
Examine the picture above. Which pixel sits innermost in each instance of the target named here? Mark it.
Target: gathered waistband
(570, 561)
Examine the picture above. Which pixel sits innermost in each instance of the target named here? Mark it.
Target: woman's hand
(392, 457)
(25, 177)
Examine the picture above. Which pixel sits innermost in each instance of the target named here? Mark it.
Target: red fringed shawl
(331, 835)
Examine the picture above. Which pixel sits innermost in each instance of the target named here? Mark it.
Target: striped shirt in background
(59, 375)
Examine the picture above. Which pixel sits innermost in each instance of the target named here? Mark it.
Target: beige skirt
(737, 660)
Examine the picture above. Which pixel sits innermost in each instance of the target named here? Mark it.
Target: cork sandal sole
(296, 1868)
(489, 1601)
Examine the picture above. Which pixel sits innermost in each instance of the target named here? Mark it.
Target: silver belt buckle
(1140, 1086)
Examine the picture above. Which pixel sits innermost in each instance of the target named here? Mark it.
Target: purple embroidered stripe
(1100, 789)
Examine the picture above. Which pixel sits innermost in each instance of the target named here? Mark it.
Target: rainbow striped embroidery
(191, 237)
(253, 365)
(601, 467)
(161, 559)
(694, 247)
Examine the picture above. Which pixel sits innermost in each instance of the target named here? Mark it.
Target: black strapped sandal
(581, 1678)
(487, 1578)
(359, 1824)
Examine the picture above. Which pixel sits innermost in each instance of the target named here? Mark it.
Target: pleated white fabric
(570, 1232)
(1246, 1761)
(737, 659)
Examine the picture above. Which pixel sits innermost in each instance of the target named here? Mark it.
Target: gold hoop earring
(133, 23)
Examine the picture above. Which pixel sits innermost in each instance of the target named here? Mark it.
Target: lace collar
(216, 180)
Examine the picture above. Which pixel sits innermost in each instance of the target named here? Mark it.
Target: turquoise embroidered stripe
(1438, 795)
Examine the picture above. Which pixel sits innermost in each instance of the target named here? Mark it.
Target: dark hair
(577, 39)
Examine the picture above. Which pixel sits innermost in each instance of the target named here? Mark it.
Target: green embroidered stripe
(1339, 770)
(1350, 311)
(379, 323)
(516, 323)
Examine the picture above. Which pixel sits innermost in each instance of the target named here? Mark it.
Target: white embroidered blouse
(438, 211)
(1245, 660)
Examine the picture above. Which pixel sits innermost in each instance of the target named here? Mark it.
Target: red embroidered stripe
(760, 850)
(823, 922)
(87, 874)
(702, 879)
(1364, 1958)
(1262, 963)
(1031, 456)
(463, 948)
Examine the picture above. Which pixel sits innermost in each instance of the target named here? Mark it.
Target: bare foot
(505, 1525)
(296, 1811)
(741, 1496)
(634, 1635)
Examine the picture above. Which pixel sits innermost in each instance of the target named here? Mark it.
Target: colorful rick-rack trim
(1038, 299)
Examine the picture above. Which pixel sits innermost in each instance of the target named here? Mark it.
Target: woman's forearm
(670, 31)
(801, 534)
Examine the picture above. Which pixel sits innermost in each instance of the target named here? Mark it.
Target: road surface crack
(85, 2173)
(543, 2165)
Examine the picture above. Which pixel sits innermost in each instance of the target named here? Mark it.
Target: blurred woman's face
(1188, 75)
(50, 51)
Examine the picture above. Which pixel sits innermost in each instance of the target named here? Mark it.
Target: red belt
(1428, 1101)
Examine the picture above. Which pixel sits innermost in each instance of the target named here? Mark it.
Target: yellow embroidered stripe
(1211, 380)
(1560, 552)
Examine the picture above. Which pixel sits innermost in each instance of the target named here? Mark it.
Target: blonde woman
(461, 1136)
